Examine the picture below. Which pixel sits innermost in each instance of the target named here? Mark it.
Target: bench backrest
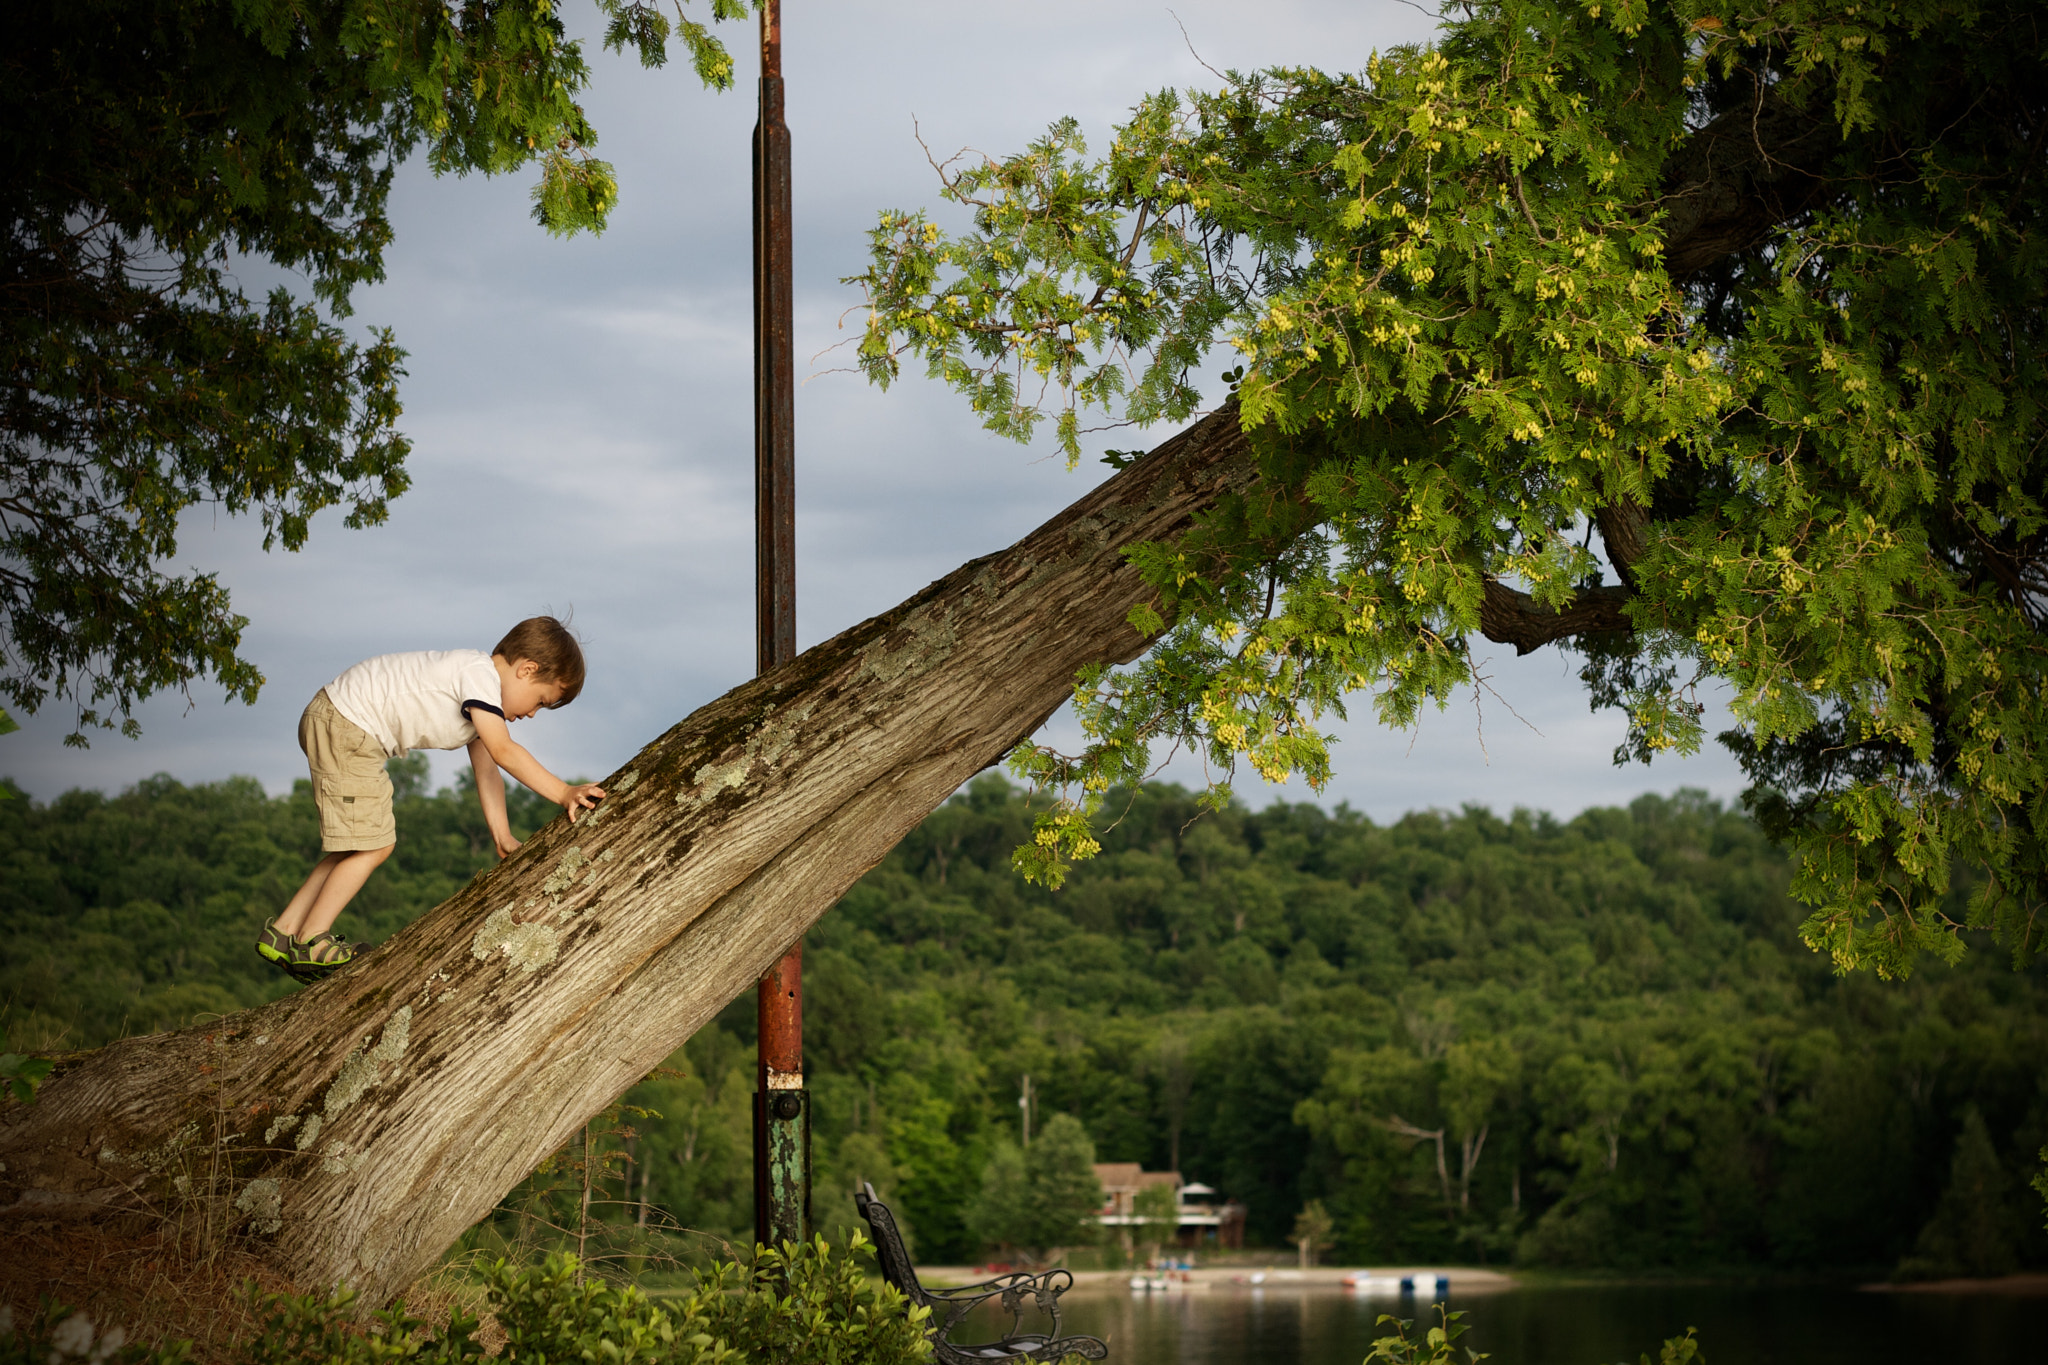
(889, 1249)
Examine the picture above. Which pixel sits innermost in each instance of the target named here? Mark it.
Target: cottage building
(1201, 1217)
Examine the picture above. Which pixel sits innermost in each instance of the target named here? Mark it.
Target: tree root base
(153, 1284)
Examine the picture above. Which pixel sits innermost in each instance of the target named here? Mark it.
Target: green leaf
(1475, 322)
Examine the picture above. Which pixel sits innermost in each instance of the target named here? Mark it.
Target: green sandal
(319, 956)
(274, 945)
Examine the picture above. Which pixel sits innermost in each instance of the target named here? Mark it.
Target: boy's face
(523, 691)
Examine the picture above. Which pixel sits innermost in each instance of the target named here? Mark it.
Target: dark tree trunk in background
(359, 1126)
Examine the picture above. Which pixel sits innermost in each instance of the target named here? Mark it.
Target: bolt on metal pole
(782, 1109)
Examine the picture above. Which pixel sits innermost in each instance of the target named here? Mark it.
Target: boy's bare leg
(328, 889)
(294, 917)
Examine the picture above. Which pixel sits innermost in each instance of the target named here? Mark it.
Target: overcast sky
(581, 412)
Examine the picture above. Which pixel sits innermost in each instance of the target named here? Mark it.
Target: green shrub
(1438, 1345)
(807, 1303)
(800, 1303)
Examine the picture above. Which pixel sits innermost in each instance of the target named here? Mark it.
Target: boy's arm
(496, 738)
(490, 794)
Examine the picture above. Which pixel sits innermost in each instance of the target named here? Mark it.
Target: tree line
(1594, 1042)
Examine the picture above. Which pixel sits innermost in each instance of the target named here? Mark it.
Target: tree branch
(1625, 530)
(1508, 616)
(1396, 1124)
(1739, 177)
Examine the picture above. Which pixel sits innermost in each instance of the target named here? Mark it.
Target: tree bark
(1736, 180)
(362, 1124)
(1509, 616)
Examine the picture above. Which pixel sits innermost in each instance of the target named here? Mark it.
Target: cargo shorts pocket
(355, 812)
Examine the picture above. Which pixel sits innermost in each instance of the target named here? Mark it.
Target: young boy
(436, 699)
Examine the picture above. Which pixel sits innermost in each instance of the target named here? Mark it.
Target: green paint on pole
(783, 1175)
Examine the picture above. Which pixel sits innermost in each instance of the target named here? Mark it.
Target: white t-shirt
(421, 700)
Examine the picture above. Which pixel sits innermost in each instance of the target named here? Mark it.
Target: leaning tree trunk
(366, 1122)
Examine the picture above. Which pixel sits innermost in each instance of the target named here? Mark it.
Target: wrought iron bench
(948, 1306)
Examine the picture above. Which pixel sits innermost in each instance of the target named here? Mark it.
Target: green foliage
(552, 1312)
(1614, 1012)
(20, 1075)
(151, 143)
(1157, 1212)
(1975, 1227)
(134, 913)
(1612, 1015)
(1679, 1350)
(796, 1304)
(803, 1304)
(1436, 1346)
(1000, 1215)
(1039, 1200)
(1550, 274)
(315, 1330)
(1064, 1194)
(1312, 1229)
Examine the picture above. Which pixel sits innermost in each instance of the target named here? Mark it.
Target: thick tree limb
(1742, 175)
(362, 1124)
(1625, 531)
(1508, 616)
(1729, 187)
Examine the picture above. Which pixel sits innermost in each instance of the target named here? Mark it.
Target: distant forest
(1586, 1043)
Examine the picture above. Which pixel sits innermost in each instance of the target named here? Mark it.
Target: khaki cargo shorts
(349, 783)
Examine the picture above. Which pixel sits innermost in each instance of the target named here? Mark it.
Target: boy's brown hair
(548, 643)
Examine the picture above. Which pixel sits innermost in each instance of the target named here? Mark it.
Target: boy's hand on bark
(507, 845)
(578, 799)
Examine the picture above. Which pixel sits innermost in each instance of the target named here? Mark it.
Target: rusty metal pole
(782, 1109)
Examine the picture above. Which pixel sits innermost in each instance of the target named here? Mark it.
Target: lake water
(1570, 1325)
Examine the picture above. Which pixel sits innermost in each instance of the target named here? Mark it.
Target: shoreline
(2024, 1284)
(1210, 1279)
(1464, 1280)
